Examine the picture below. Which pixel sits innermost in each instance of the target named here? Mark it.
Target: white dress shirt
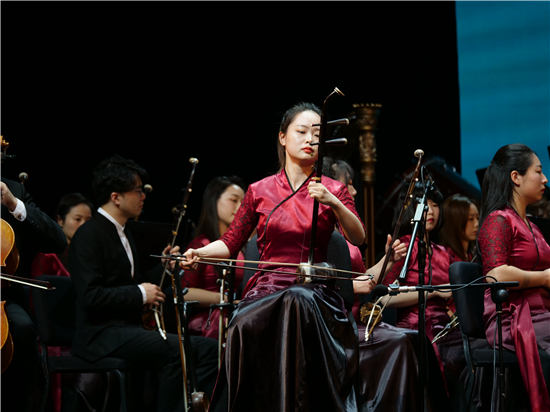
(126, 244)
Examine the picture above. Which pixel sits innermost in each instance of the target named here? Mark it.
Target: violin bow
(41, 284)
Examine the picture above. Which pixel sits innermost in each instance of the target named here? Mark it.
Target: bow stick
(40, 284)
(221, 262)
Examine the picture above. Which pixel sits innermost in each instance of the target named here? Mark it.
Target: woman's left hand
(399, 249)
(320, 193)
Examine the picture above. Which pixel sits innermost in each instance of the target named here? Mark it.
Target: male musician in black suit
(34, 232)
(112, 293)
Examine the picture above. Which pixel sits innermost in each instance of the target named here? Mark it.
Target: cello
(10, 261)
(9, 264)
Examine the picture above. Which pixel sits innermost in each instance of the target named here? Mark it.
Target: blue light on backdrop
(504, 79)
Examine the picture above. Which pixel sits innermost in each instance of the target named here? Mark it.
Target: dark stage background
(160, 82)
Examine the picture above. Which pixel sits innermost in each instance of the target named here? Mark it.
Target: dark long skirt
(293, 350)
(388, 372)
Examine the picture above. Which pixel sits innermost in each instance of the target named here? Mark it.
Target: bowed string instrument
(305, 271)
(372, 309)
(193, 399)
(9, 262)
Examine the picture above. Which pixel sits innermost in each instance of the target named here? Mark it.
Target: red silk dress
(449, 349)
(436, 308)
(505, 239)
(204, 322)
(289, 347)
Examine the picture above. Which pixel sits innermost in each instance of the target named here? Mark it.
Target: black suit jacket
(109, 302)
(37, 233)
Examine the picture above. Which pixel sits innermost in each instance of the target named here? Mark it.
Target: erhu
(159, 313)
(306, 270)
(197, 401)
(372, 310)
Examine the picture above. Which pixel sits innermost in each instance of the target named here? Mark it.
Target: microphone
(436, 195)
(380, 290)
(23, 177)
(333, 122)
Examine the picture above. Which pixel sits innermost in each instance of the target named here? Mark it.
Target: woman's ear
(282, 139)
(516, 177)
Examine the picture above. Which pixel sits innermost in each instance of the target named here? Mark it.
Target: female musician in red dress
(459, 231)
(448, 349)
(72, 212)
(289, 346)
(221, 200)
(513, 249)
(390, 385)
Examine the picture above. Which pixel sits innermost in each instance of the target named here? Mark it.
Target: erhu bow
(372, 309)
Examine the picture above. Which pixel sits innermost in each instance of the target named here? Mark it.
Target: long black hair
(209, 221)
(498, 188)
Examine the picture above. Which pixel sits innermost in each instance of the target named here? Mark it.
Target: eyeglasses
(137, 190)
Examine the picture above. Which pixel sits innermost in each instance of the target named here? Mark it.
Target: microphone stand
(499, 296)
(421, 210)
(227, 283)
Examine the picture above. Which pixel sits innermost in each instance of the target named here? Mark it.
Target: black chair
(469, 309)
(55, 316)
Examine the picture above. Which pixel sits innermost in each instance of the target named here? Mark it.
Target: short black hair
(116, 174)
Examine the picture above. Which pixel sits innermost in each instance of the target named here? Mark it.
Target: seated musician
(513, 248)
(221, 200)
(34, 232)
(289, 346)
(112, 293)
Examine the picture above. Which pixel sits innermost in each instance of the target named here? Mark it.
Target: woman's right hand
(192, 257)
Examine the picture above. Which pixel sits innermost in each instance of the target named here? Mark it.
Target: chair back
(337, 254)
(469, 301)
(55, 311)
